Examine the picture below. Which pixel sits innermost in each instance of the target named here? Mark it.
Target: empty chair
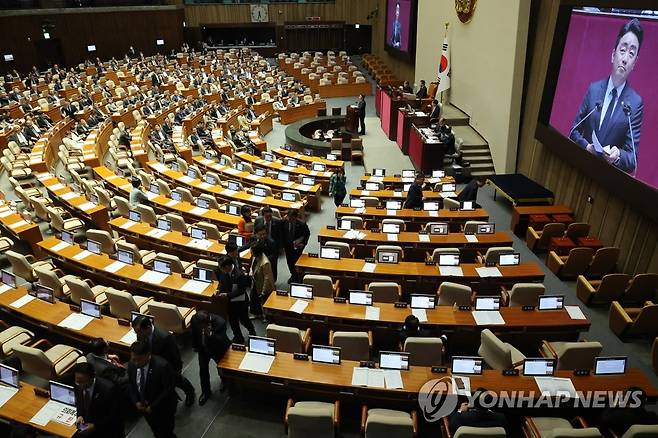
(571, 266)
(323, 285)
(176, 264)
(641, 431)
(289, 339)
(497, 354)
(428, 226)
(479, 432)
(540, 240)
(555, 427)
(380, 423)
(343, 248)
(212, 201)
(451, 204)
(123, 206)
(310, 418)
(143, 256)
(389, 249)
(353, 345)
(356, 222)
(643, 287)
(424, 351)
(292, 194)
(122, 303)
(399, 222)
(523, 294)
(108, 244)
(48, 364)
(11, 337)
(148, 214)
(177, 222)
(576, 230)
(85, 289)
(385, 292)
(23, 265)
(60, 223)
(470, 227)
(434, 257)
(170, 317)
(610, 288)
(337, 147)
(454, 294)
(54, 279)
(633, 321)
(212, 232)
(5, 244)
(105, 199)
(163, 188)
(572, 355)
(266, 189)
(604, 262)
(356, 150)
(492, 255)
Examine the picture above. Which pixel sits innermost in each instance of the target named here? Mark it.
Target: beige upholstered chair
(604, 262)
(212, 232)
(400, 222)
(177, 222)
(108, 244)
(170, 317)
(356, 148)
(185, 194)
(572, 355)
(289, 339)
(497, 354)
(451, 294)
(354, 345)
(434, 257)
(60, 223)
(479, 432)
(47, 364)
(148, 214)
(641, 431)
(323, 285)
(23, 265)
(634, 321)
(384, 292)
(163, 187)
(122, 303)
(523, 294)
(643, 287)
(176, 264)
(344, 249)
(54, 279)
(356, 222)
(143, 256)
(379, 423)
(12, 336)
(424, 352)
(312, 419)
(389, 248)
(571, 266)
(610, 288)
(555, 427)
(85, 289)
(123, 206)
(470, 227)
(493, 253)
(539, 240)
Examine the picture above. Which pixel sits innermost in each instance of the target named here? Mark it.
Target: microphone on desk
(627, 111)
(597, 105)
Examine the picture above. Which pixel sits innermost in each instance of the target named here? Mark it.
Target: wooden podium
(352, 118)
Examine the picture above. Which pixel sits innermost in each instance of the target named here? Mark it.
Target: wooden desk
(416, 277)
(385, 195)
(321, 178)
(19, 229)
(162, 204)
(397, 182)
(46, 316)
(129, 277)
(308, 159)
(405, 121)
(416, 219)
(561, 245)
(414, 249)
(305, 111)
(75, 203)
(304, 378)
(345, 90)
(424, 153)
(312, 193)
(25, 404)
(44, 152)
(589, 242)
(520, 215)
(198, 186)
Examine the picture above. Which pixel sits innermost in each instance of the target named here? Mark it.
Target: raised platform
(520, 189)
(299, 135)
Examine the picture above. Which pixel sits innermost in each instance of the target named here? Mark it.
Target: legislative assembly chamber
(328, 218)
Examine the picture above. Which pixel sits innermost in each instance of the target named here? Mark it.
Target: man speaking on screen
(609, 120)
(396, 38)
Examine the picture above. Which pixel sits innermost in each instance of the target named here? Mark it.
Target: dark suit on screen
(614, 132)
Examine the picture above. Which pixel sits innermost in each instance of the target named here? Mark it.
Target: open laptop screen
(423, 301)
(62, 393)
(303, 291)
(610, 365)
(393, 360)
(262, 345)
(538, 367)
(466, 365)
(325, 354)
(360, 297)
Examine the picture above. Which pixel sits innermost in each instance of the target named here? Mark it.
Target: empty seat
(323, 285)
(356, 150)
(493, 254)
(85, 289)
(389, 249)
(170, 317)
(497, 354)
(343, 248)
(576, 230)
(470, 227)
(177, 222)
(572, 355)
(289, 339)
(604, 262)
(54, 279)
(424, 351)
(11, 337)
(148, 214)
(633, 321)
(434, 257)
(454, 294)
(571, 266)
(523, 294)
(354, 345)
(310, 418)
(555, 427)
(48, 364)
(643, 287)
(380, 423)
(122, 303)
(142, 256)
(212, 232)
(540, 240)
(176, 264)
(641, 431)
(385, 292)
(23, 265)
(610, 288)
(108, 244)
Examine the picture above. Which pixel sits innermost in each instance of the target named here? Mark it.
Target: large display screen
(606, 98)
(401, 27)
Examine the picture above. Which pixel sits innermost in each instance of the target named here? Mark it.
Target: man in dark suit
(107, 366)
(396, 34)
(435, 110)
(477, 415)
(152, 389)
(97, 404)
(470, 192)
(209, 340)
(68, 110)
(611, 110)
(274, 232)
(233, 285)
(164, 345)
(361, 105)
(415, 193)
(422, 91)
(296, 237)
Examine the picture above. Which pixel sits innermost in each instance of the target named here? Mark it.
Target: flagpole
(446, 34)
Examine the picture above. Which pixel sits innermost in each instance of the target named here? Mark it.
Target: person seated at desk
(137, 196)
(435, 111)
(278, 104)
(619, 419)
(251, 114)
(294, 99)
(415, 193)
(245, 224)
(82, 129)
(477, 415)
(406, 87)
(97, 403)
(412, 329)
(470, 192)
(422, 90)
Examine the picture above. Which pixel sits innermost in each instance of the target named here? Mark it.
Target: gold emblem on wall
(465, 9)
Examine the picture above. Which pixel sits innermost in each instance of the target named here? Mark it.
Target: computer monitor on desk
(67, 237)
(9, 376)
(388, 257)
(378, 172)
(201, 274)
(393, 360)
(551, 302)
(467, 365)
(301, 291)
(90, 308)
(408, 173)
(237, 239)
(162, 266)
(439, 228)
(393, 205)
(8, 278)
(449, 259)
(487, 303)
(538, 367)
(605, 366)
(197, 233)
(430, 206)
(391, 228)
(511, 259)
(61, 393)
(357, 203)
(325, 354)
(163, 224)
(262, 345)
(330, 252)
(93, 246)
(126, 257)
(423, 301)
(360, 297)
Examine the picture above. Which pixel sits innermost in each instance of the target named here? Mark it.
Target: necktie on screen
(611, 107)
